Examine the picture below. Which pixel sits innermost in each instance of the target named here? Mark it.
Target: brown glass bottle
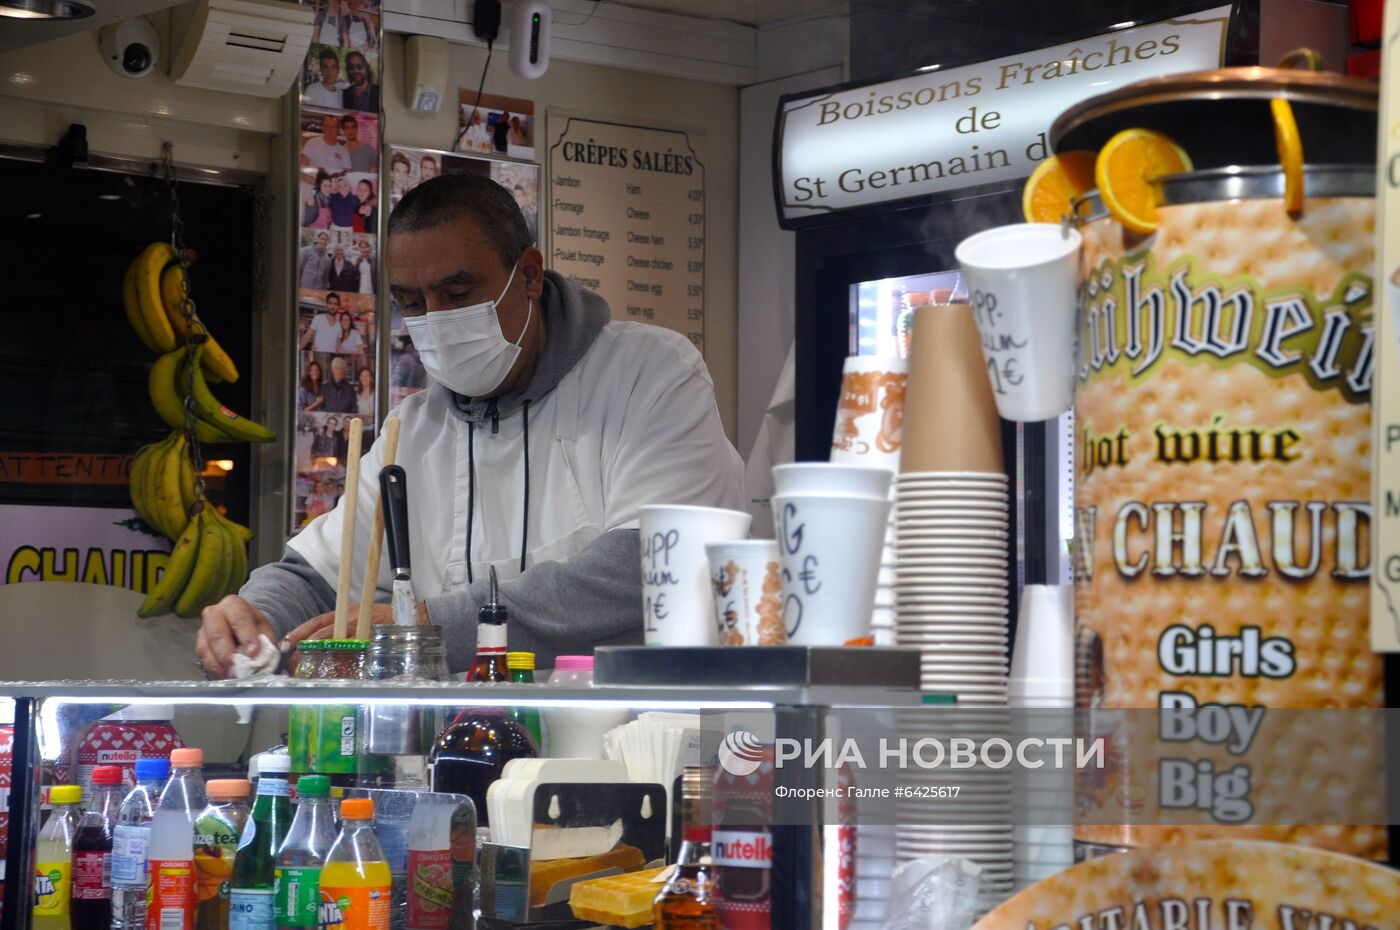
(686, 901)
(490, 664)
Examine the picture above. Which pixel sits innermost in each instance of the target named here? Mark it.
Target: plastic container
(577, 732)
(325, 738)
(140, 731)
(430, 879)
(53, 861)
(131, 844)
(297, 900)
(171, 900)
(356, 882)
(255, 864)
(92, 852)
(217, 832)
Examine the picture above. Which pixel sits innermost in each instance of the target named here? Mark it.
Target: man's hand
(230, 626)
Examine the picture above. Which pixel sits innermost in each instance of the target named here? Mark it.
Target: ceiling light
(46, 9)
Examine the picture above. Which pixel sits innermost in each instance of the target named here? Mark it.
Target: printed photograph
(347, 24)
(339, 260)
(339, 143)
(495, 125)
(339, 322)
(340, 78)
(345, 202)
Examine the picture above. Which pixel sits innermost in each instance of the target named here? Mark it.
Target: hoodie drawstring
(471, 493)
(471, 487)
(525, 517)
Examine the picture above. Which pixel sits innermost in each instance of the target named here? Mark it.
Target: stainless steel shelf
(293, 691)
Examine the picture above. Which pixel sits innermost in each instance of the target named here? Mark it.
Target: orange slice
(1054, 184)
(1290, 153)
(1124, 172)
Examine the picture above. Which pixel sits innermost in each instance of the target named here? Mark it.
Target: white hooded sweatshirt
(619, 415)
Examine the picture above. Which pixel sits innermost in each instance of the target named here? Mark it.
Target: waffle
(617, 900)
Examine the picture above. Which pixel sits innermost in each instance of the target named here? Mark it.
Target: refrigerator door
(881, 310)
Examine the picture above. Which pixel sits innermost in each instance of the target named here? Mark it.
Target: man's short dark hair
(446, 198)
(328, 54)
(348, 119)
(330, 295)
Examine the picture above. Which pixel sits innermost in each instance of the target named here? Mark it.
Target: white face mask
(464, 349)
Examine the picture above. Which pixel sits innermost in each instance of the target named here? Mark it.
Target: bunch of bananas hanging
(210, 556)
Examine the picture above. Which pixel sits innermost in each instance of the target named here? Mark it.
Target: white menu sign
(942, 130)
(627, 218)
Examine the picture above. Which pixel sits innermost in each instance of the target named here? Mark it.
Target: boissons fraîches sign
(940, 130)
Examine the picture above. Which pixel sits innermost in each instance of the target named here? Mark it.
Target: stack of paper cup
(951, 536)
(951, 514)
(1042, 688)
(870, 432)
(965, 813)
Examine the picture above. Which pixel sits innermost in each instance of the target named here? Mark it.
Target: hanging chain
(195, 334)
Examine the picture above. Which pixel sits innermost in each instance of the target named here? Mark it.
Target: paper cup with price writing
(747, 584)
(870, 415)
(829, 547)
(1022, 282)
(677, 604)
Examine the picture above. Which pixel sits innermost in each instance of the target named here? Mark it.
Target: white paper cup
(829, 478)
(1042, 674)
(746, 581)
(870, 414)
(830, 553)
(678, 606)
(1022, 281)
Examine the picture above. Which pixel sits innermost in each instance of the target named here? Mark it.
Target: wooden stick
(348, 501)
(376, 537)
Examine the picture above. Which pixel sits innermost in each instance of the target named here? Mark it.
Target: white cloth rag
(264, 663)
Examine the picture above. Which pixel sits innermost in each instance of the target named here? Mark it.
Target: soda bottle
(53, 860)
(216, 835)
(522, 671)
(171, 896)
(255, 865)
(131, 845)
(297, 900)
(92, 852)
(355, 881)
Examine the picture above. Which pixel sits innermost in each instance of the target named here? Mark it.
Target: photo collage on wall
(338, 256)
(409, 167)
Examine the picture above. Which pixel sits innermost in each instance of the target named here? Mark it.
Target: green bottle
(254, 866)
(522, 671)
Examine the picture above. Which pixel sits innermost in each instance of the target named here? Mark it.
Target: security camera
(131, 48)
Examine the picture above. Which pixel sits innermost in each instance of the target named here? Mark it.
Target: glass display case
(62, 730)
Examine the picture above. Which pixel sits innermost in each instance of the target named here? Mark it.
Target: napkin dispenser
(512, 896)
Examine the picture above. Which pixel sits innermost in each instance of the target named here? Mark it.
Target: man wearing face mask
(544, 428)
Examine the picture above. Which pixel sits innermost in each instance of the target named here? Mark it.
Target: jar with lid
(401, 731)
(325, 738)
(407, 652)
